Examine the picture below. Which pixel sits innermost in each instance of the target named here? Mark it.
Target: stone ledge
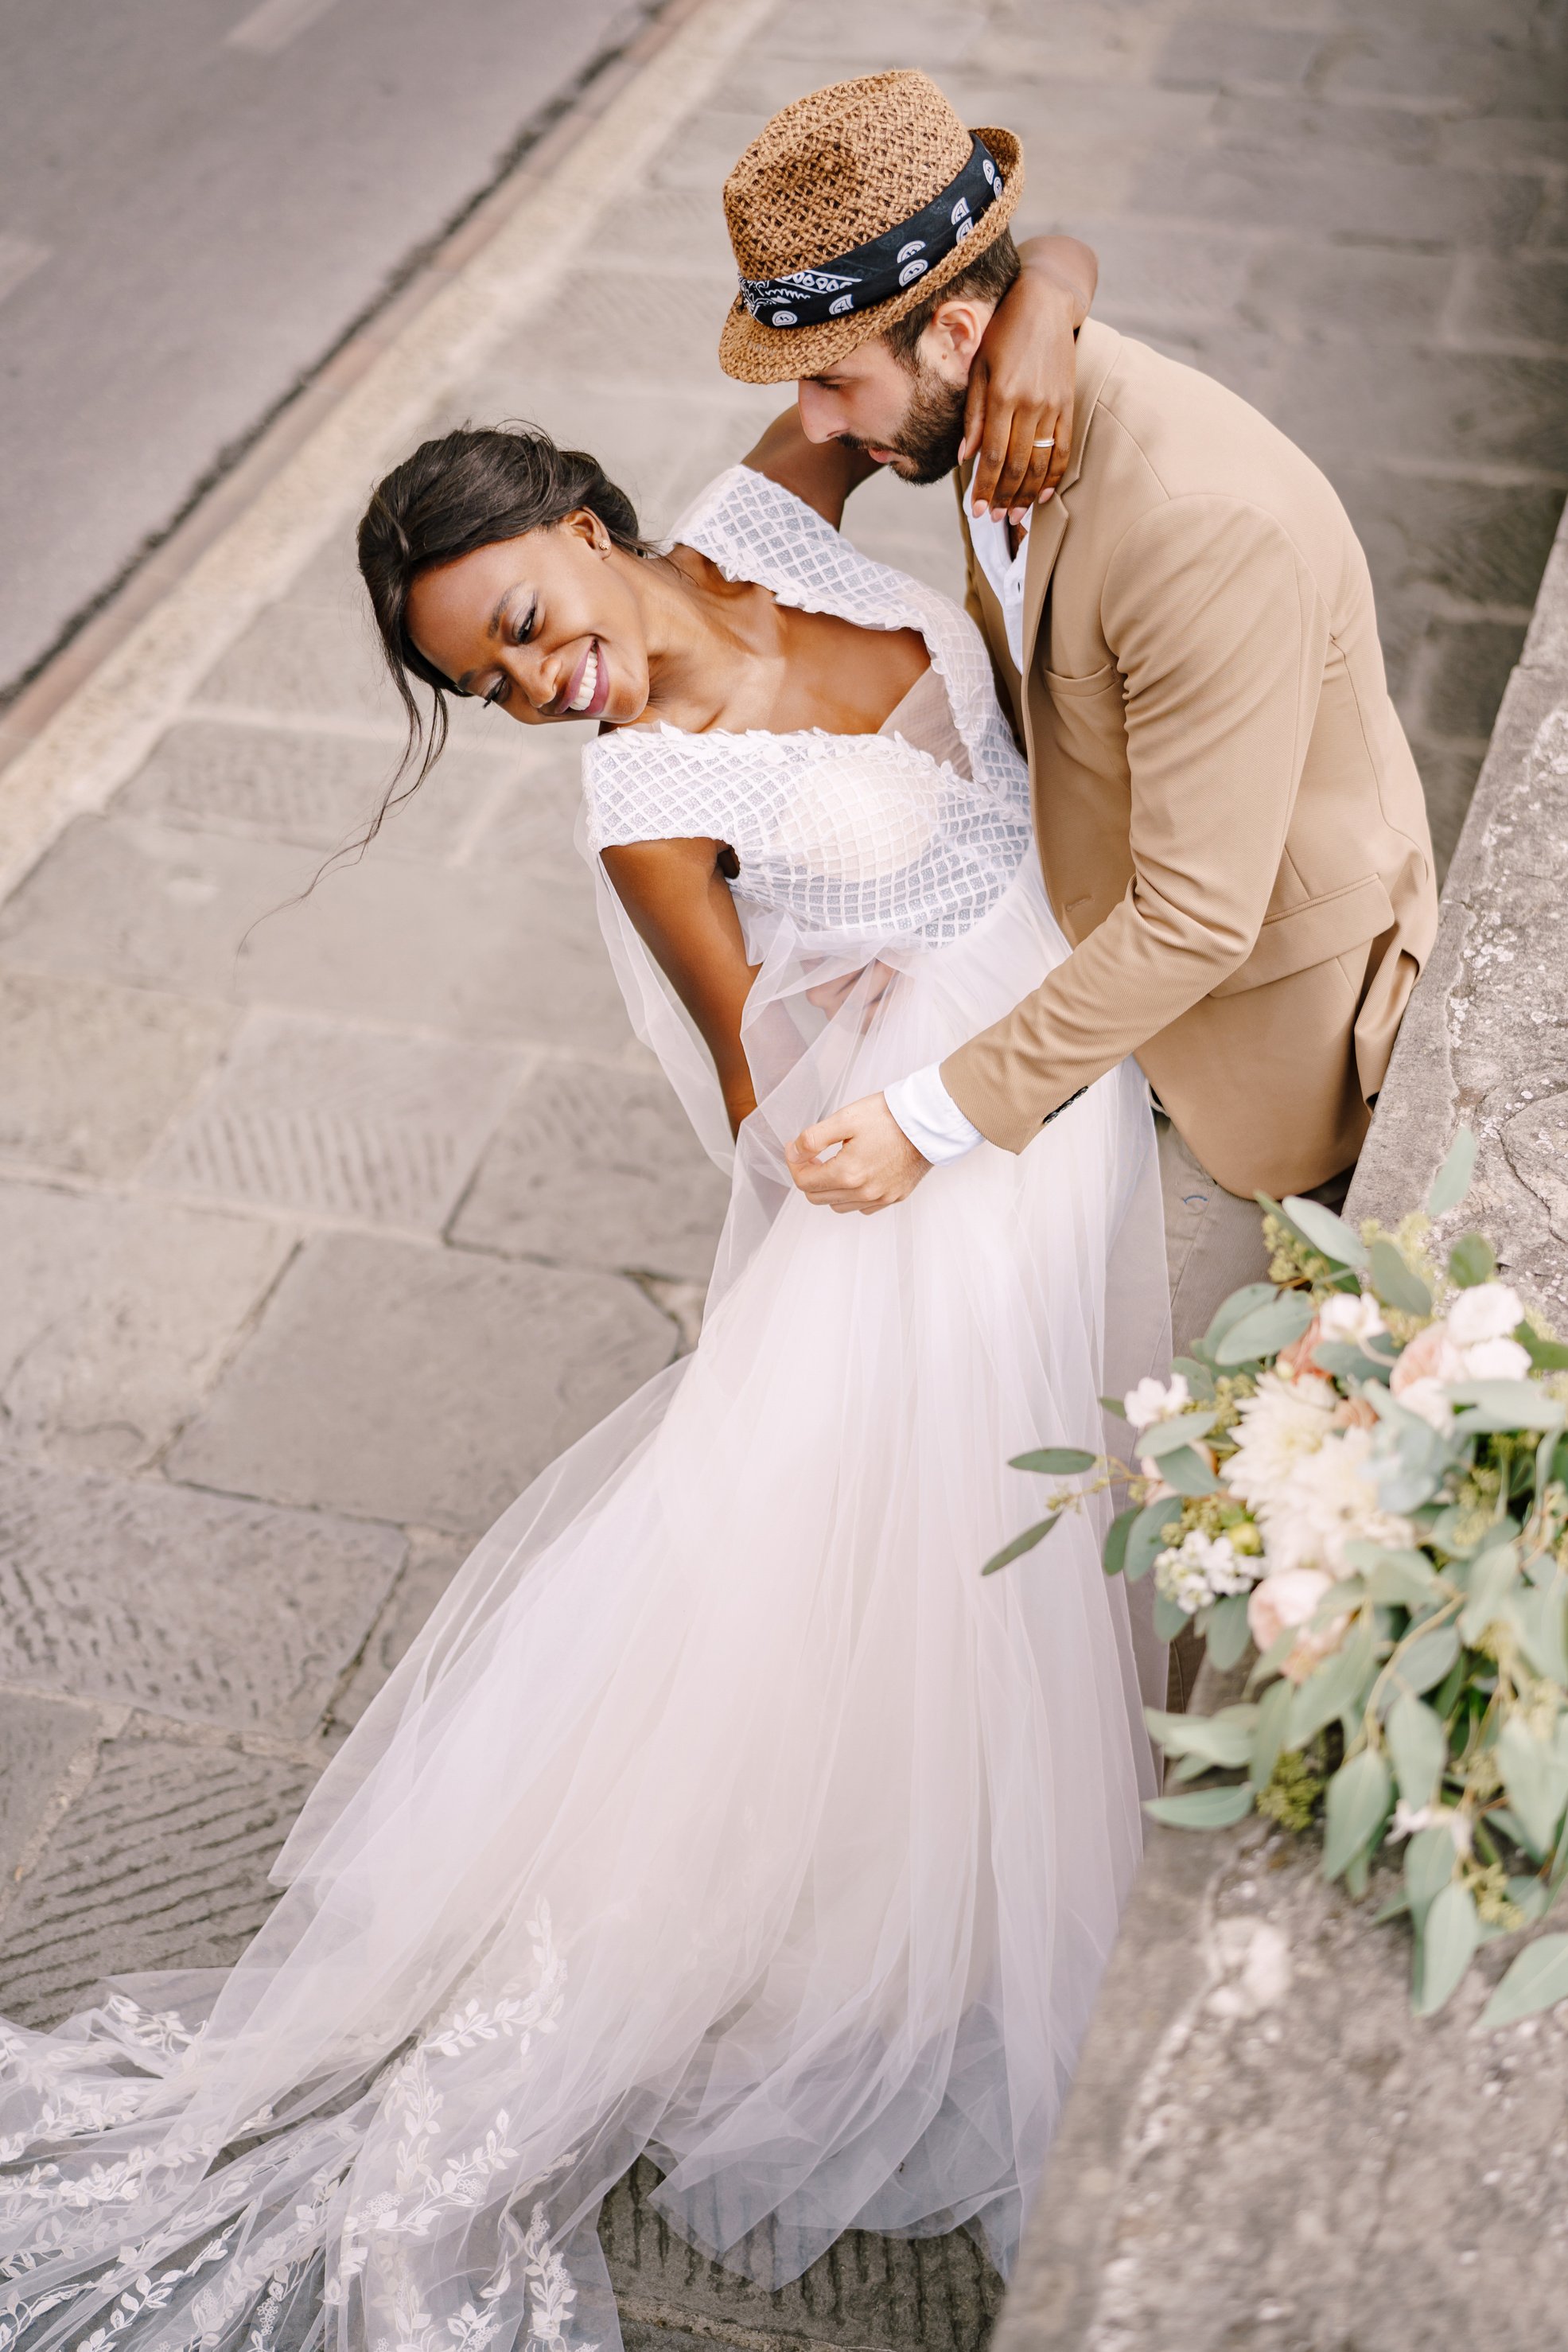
(1259, 2146)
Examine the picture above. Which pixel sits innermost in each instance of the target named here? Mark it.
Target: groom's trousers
(1214, 1243)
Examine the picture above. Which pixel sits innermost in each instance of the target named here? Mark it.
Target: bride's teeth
(585, 692)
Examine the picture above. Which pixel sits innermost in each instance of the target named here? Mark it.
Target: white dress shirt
(922, 1105)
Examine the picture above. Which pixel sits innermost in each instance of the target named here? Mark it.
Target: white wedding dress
(723, 1811)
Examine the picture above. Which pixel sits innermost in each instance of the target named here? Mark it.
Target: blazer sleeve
(1220, 635)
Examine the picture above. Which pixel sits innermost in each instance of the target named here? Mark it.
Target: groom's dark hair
(987, 278)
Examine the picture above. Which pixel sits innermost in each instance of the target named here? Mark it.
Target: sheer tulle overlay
(723, 1810)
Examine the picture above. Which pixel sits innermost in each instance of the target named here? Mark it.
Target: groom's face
(908, 417)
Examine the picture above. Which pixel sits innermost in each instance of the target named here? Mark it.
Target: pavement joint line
(101, 734)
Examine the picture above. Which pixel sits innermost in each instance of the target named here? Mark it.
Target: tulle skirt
(723, 1811)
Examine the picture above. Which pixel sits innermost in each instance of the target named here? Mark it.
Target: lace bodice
(852, 835)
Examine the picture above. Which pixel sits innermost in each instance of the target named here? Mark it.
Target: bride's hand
(1019, 413)
(829, 996)
(876, 1165)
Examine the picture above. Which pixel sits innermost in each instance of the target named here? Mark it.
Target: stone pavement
(320, 1237)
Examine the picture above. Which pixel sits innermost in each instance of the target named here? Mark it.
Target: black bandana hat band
(887, 265)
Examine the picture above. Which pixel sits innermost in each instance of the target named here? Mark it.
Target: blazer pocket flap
(1303, 936)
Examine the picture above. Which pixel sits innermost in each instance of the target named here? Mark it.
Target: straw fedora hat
(833, 179)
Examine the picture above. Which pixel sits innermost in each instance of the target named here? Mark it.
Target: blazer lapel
(1097, 350)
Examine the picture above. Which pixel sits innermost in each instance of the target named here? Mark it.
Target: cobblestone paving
(321, 1238)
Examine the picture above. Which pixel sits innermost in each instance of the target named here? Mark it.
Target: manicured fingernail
(1047, 494)
(978, 508)
(1017, 515)
(999, 514)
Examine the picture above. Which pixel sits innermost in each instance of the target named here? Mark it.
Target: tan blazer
(1231, 824)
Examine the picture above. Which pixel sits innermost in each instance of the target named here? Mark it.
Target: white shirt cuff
(930, 1118)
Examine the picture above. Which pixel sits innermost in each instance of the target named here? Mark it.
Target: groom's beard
(926, 444)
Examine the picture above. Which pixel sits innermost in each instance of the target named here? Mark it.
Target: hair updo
(464, 491)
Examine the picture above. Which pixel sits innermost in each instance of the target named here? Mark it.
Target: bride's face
(545, 626)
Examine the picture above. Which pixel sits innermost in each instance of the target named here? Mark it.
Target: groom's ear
(952, 337)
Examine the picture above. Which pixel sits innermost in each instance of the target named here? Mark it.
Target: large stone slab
(1484, 1040)
(45, 1744)
(940, 2293)
(476, 954)
(302, 784)
(90, 1075)
(161, 1863)
(433, 1563)
(1263, 2147)
(196, 1606)
(119, 1313)
(310, 1114)
(596, 1167)
(421, 1385)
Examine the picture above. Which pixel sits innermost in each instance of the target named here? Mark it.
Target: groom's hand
(876, 1165)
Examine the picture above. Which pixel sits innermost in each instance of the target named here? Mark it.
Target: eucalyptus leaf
(1427, 1659)
(1471, 1260)
(1020, 1545)
(1329, 1234)
(1055, 1461)
(1538, 1980)
(1188, 1768)
(1403, 1580)
(1336, 1685)
(1198, 1377)
(1224, 1739)
(1452, 1181)
(1146, 1536)
(1546, 1355)
(1486, 1407)
(1355, 1804)
(1266, 1329)
(1187, 1472)
(1115, 1557)
(1429, 1861)
(1240, 1303)
(1445, 1946)
(1492, 1576)
(1269, 1731)
(1180, 1431)
(1346, 1361)
(1536, 1777)
(1539, 1617)
(1204, 1809)
(1226, 1632)
(1419, 1749)
(1394, 1282)
(1169, 1620)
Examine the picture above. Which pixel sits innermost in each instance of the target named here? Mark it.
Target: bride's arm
(678, 900)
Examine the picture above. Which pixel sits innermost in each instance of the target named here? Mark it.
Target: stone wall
(1262, 2146)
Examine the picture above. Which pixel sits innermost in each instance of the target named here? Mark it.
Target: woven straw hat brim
(753, 353)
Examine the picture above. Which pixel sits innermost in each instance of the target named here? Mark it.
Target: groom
(1231, 824)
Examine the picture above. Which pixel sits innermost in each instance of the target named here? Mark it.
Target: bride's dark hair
(466, 490)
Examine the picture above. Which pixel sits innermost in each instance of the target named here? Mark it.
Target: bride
(723, 1811)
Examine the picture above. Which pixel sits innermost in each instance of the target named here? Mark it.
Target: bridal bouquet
(1362, 1470)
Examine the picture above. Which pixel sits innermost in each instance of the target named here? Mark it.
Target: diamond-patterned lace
(854, 834)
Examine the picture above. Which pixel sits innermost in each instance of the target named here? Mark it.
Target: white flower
(1154, 1400)
(1496, 1359)
(1309, 1482)
(1202, 1569)
(1347, 1316)
(1291, 1599)
(1408, 1819)
(1428, 1398)
(1284, 1422)
(1491, 1311)
(1332, 1501)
